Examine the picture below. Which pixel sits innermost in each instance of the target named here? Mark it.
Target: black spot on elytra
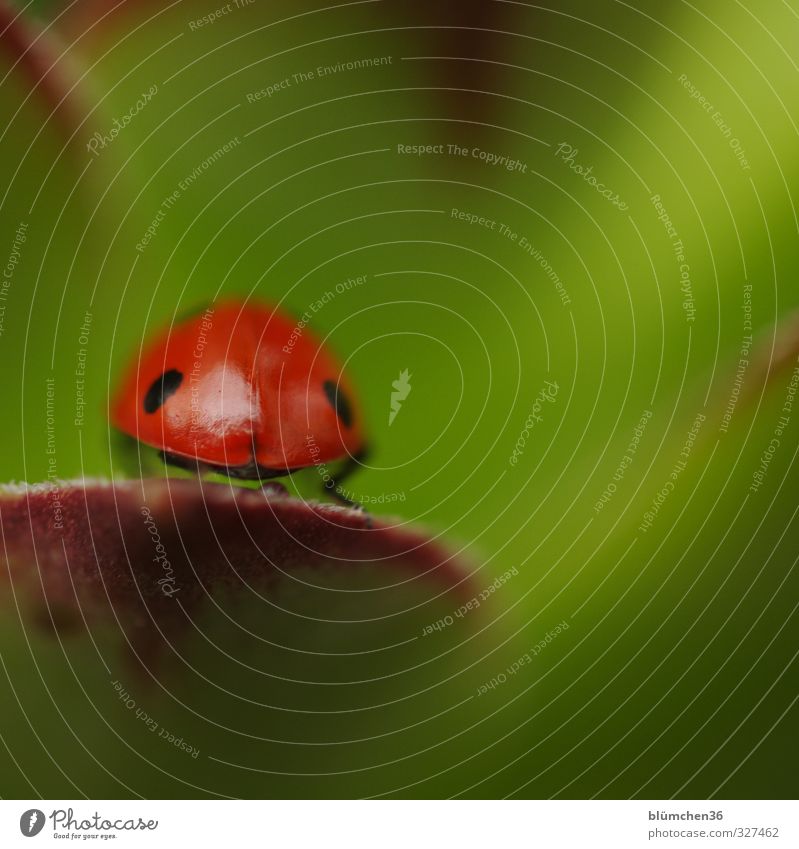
(338, 401)
(163, 387)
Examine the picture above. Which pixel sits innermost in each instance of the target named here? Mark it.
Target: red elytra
(242, 388)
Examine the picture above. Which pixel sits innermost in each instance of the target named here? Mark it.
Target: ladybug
(246, 390)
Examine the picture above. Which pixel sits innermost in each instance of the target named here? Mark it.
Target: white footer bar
(402, 824)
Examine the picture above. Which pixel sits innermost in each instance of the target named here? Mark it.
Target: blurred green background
(677, 674)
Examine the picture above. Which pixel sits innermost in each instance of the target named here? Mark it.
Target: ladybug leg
(331, 487)
(333, 484)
